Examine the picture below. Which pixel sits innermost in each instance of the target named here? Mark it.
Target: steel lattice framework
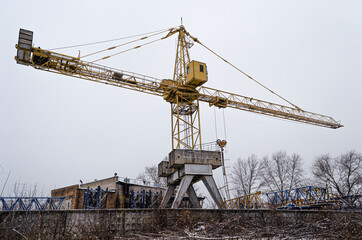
(184, 98)
(251, 201)
(30, 203)
(307, 196)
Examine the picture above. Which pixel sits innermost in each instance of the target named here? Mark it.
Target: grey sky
(55, 130)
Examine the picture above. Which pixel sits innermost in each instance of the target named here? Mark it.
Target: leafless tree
(281, 171)
(343, 173)
(150, 174)
(21, 189)
(245, 175)
(2, 172)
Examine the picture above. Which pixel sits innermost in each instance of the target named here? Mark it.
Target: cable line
(110, 40)
(223, 115)
(103, 58)
(196, 40)
(114, 47)
(215, 122)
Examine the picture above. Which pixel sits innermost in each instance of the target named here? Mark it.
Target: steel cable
(103, 58)
(248, 75)
(110, 40)
(114, 47)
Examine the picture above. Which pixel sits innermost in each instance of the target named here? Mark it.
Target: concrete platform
(179, 157)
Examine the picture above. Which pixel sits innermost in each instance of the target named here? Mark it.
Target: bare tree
(150, 174)
(6, 180)
(281, 171)
(245, 175)
(295, 173)
(351, 170)
(343, 173)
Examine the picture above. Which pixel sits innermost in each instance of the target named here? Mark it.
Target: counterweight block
(25, 42)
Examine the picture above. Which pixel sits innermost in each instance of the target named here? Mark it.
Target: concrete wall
(122, 222)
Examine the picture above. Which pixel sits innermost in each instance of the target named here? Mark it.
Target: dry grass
(326, 226)
(185, 224)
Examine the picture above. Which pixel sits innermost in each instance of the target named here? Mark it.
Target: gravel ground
(347, 227)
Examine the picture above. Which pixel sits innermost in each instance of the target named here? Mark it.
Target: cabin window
(188, 70)
(201, 68)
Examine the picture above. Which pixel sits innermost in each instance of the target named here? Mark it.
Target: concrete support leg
(168, 195)
(184, 185)
(213, 190)
(193, 197)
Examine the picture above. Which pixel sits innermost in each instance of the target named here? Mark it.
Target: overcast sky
(56, 130)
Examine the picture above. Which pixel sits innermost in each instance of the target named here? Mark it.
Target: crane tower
(188, 163)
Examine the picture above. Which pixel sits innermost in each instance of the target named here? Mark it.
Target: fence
(30, 203)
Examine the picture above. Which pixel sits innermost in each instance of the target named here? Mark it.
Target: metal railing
(30, 203)
(301, 197)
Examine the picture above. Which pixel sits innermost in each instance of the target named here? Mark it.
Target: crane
(184, 91)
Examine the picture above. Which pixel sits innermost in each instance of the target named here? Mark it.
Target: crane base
(184, 178)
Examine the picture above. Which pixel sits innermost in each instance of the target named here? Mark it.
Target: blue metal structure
(303, 197)
(95, 198)
(144, 199)
(30, 203)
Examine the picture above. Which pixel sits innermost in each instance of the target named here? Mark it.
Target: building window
(201, 68)
(188, 70)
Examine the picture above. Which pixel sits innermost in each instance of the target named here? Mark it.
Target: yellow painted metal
(183, 92)
(221, 143)
(251, 201)
(185, 120)
(223, 99)
(186, 131)
(196, 74)
(71, 66)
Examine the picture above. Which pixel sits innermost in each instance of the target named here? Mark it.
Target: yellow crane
(184, 92)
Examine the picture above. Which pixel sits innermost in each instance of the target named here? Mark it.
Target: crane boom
(71, 66)
(224, 99)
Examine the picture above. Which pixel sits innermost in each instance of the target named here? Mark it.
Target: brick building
(121, 193)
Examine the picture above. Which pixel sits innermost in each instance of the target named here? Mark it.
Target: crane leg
(184, 185)
(193, 197)
(168, 195)
(214, 192)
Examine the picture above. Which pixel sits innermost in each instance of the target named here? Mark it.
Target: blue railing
(300, 197)
(144, 199)
(30, 203)
(95, 198)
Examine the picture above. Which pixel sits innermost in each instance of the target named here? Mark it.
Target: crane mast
(185, 116)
